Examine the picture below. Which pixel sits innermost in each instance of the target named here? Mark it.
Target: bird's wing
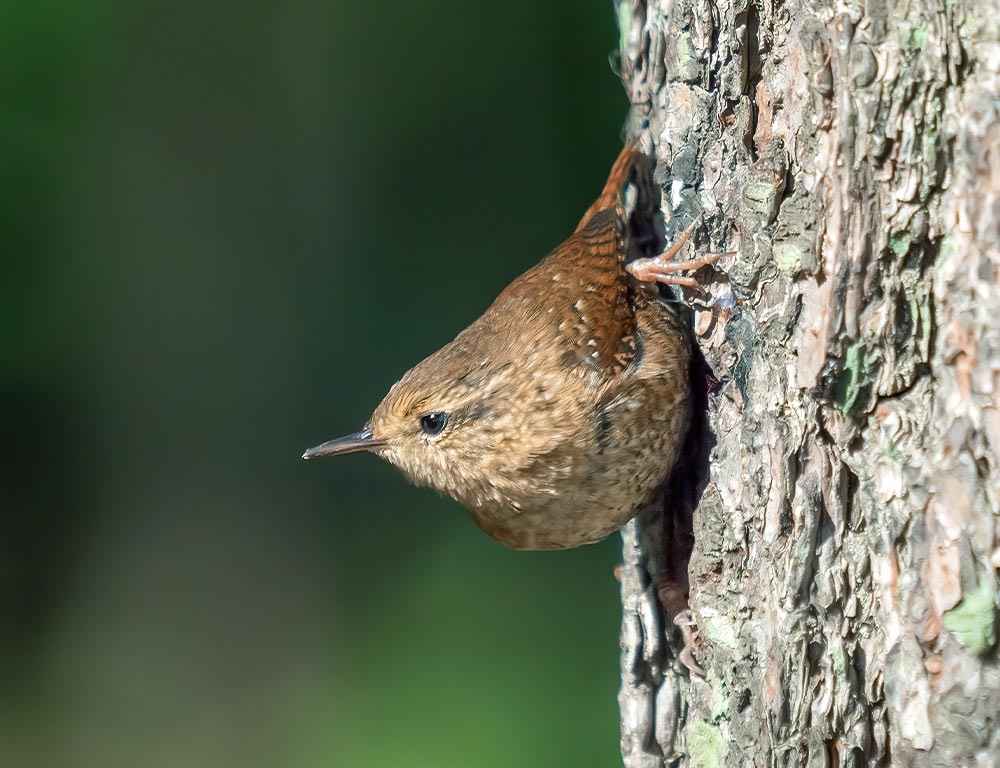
(582, 286)
(599, 325)
(581, 292)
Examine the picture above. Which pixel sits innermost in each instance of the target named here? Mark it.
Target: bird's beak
(359, 441)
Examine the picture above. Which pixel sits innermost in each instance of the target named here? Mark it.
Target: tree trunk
(835, 528)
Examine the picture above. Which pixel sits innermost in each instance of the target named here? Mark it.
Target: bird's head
(440, 424)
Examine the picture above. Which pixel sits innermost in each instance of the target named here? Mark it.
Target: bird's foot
(692, 640)
(662, 268)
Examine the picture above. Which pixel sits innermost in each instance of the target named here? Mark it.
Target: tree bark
(835, 531)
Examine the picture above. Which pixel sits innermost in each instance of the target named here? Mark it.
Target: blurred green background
(227, 229)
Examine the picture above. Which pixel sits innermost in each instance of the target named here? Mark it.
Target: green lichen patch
(974, 619)
(899, 242)
(719, 629)
(788, 257)
(687, 57)
(706, 745)
(916, 38)
(718, 704)
(853, 375)
(892, 451)
(760, 197)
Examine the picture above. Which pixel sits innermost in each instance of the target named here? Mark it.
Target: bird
(558, 413)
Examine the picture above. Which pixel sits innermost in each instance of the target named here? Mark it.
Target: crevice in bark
(683, 490)
(754, 73)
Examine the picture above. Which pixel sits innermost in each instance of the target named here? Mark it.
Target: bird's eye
(433, 423)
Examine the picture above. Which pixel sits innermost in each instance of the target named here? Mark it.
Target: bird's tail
(611, 195)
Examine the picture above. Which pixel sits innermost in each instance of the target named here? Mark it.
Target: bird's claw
(662, 268)
(685, 622)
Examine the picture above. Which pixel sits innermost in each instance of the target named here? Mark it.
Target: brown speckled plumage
(565, 402)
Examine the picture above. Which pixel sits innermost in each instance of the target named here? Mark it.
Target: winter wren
(560, 411)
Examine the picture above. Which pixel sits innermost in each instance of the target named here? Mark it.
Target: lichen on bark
(846, 535)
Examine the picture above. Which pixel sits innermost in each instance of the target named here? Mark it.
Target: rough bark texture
(846, 516)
